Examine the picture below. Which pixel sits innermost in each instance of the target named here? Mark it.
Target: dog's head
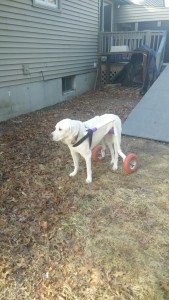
(66, 131)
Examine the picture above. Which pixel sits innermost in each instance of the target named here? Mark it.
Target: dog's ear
(74, 131)
(74, 128)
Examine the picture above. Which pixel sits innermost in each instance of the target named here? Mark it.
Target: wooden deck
(155, 40)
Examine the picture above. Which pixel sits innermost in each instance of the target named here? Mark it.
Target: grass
(64, 240)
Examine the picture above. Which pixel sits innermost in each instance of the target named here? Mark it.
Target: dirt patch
(64, 240)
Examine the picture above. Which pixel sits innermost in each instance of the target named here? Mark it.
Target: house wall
(39, 46)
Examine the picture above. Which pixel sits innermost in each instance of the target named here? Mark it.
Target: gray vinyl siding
(153, 2)
(50, 44)
(134, 13)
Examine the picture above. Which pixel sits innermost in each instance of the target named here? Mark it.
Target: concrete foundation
(22, 99)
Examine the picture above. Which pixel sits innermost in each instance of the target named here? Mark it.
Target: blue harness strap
(88, 135)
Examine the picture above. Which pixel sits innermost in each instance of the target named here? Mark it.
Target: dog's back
(102, 125)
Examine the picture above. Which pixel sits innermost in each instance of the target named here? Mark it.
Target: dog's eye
(60, 129)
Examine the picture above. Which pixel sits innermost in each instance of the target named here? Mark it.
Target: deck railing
(155, 39)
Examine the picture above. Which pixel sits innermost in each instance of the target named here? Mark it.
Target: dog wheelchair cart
(130, 162)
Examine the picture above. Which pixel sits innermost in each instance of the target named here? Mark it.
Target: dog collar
(74, 140)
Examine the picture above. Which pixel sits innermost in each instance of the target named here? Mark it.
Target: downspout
(100, 8)
(100, 23)
(112, 13)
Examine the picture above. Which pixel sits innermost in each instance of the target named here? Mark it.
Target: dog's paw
(88, 180)
(72, 174)
(115, 167)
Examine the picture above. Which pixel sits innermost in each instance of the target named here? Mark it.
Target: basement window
(48, 4)
(68, 84)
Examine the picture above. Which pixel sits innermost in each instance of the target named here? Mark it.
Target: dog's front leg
(75, 157)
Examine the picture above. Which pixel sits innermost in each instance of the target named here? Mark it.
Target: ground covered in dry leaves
(62, 239)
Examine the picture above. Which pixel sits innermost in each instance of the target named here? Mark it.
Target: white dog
(82, 137)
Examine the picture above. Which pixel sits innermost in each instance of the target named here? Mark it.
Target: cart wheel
(98, 153)
(130, 163)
